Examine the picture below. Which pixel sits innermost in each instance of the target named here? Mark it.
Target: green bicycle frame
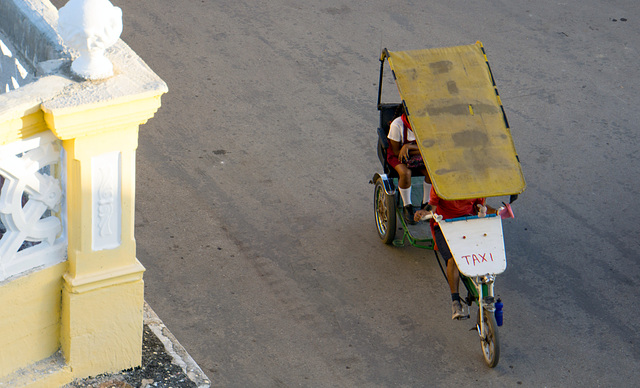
(473, 295)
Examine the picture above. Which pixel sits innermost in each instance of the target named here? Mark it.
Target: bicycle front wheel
(489, 338)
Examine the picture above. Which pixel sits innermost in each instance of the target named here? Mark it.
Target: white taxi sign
(477, 244)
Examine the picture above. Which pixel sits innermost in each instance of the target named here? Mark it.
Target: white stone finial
(91, 27)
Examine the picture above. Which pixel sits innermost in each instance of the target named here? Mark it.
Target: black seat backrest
(388, 112)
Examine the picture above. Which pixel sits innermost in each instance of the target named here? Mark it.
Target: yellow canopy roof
(459, 122)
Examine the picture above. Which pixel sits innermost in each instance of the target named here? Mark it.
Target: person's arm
(396, 147)
(395, 138)
(433, 202)
(403, 151)
(433, 199)
(409, 149)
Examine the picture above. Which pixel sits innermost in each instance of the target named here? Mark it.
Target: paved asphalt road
(254, 210)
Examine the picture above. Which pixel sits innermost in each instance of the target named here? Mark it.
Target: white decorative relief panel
(32, 233)
(107, 201)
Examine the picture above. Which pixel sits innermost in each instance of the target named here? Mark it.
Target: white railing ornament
(91, 27)
(28, 193)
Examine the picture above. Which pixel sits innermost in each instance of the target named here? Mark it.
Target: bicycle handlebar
(431, 215)
(438, 217)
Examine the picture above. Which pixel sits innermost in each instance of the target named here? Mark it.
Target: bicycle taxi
(452, 104)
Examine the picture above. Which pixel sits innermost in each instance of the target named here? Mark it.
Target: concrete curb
(174, 349)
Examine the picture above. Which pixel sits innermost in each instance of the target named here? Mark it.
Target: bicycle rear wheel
(384, 207)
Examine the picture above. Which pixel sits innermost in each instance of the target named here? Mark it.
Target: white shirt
(396, 130)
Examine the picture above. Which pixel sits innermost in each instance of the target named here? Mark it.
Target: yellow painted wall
(30, 308)
(105, 334)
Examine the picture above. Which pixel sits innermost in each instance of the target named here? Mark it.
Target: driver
(452, 209)
(403, 152)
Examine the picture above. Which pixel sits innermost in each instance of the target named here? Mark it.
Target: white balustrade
(12, 72)
(33, 235)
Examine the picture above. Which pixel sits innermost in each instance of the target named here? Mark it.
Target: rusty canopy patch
(456, 113)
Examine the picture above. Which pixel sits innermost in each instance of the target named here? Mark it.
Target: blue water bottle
(499, 305)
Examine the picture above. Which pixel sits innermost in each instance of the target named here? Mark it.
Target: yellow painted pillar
(103, 293)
